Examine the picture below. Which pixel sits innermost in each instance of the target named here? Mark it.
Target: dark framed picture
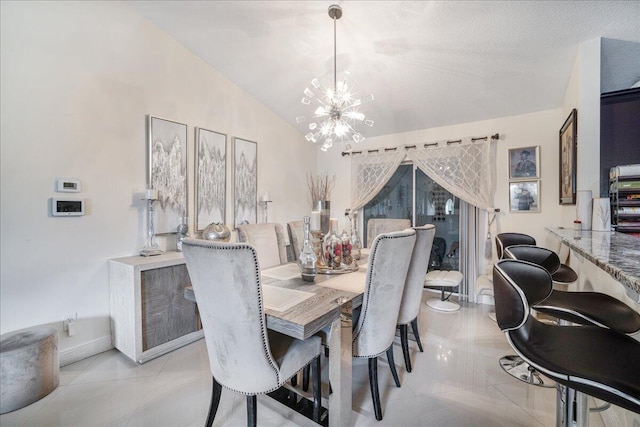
(568, 155)
(245, 182)
(524, 162)
(524, 196)
(211, 177)
(167, 171)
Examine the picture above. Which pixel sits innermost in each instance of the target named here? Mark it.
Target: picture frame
(245, 182)
(524, 163)
(524, 196)
(211, 177)
(568, 159)
(167, 171)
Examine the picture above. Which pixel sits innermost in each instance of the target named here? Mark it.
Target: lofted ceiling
(428, 63)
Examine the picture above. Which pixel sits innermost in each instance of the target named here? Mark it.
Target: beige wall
(78, 79)
(539, 128)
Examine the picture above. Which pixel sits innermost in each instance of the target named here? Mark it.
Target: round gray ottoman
(29, 366)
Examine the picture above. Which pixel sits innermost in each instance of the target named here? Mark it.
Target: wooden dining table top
(329, 293)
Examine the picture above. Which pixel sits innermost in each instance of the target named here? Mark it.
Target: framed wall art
(245, 182)
(524, 196)
(568, 155)
(524, 162)
(167, 171)
(211, 177)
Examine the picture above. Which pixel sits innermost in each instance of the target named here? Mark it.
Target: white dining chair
(377, 226)
(414, 285)
(375, 326)
(296, 237)
(269, 241)
(244, 356)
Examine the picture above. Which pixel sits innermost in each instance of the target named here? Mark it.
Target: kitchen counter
(618, 254)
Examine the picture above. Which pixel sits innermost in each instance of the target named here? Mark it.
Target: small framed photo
(568, 155)
(524, 162)
(245, 182)
(524, 196)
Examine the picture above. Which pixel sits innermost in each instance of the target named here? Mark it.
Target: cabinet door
(166, 313)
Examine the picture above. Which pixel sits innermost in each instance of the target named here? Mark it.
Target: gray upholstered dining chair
(414, 285)
(268, 239)
(243, 355)
(296, 237)
(377, 226)
(375, 326)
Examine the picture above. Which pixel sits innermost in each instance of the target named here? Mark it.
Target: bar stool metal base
(518, 368)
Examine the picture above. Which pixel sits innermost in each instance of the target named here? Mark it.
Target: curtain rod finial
(495, 136)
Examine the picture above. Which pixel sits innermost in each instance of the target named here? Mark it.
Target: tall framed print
(167, 171)
(245, 182)
(568, 154)
(211, 177)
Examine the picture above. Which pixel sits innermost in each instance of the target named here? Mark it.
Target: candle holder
(151, 248)
(316, 244)
(265, 208)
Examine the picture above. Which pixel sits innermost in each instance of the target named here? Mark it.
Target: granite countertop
(616, 253)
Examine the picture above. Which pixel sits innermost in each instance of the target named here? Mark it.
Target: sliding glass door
(411, 194)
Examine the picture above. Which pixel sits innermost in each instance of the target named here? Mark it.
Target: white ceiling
(428, 63)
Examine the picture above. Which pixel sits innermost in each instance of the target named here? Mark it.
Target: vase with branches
(320, 187)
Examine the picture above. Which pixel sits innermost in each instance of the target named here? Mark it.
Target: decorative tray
(342, 270)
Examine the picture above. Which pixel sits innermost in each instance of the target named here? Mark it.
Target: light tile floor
(456, 382)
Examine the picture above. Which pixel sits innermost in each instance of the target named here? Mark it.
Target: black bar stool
(587, 360)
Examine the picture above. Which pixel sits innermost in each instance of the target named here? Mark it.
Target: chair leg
(294, 380)
(305, 377)
(317, 387)
(216, 392)
(416, 334)
(392, 365)
(404, 340)
(373, 382)
(252, 411)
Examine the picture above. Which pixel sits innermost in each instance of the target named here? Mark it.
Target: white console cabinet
(149, 314)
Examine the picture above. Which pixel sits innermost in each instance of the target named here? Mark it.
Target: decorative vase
(347, 257)
(325, 210)
(216, 231)
(356, 243)
(307, 259)
(332, 247)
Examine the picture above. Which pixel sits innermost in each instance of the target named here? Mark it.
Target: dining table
(302, 309)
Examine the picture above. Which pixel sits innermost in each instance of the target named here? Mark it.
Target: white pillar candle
(333, 227)
(315, 220)
(151, 194)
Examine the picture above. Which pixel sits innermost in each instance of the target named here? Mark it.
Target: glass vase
(307, 259)
(356, 243)
(332, 247)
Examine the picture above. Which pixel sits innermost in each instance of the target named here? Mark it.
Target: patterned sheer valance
(370, 172)
(466, 170)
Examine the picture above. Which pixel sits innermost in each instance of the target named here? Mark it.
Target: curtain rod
(494, 137)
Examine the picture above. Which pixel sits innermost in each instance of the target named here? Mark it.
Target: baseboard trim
(88, 349)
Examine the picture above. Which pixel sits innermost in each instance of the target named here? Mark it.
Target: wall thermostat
(68, 185)
(67, 206)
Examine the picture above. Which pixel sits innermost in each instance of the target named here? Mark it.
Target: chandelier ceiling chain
(338, 111)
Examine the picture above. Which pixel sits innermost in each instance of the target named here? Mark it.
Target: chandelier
(338, 111)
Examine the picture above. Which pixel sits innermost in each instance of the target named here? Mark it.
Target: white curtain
(370, 172)
(466, 170)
